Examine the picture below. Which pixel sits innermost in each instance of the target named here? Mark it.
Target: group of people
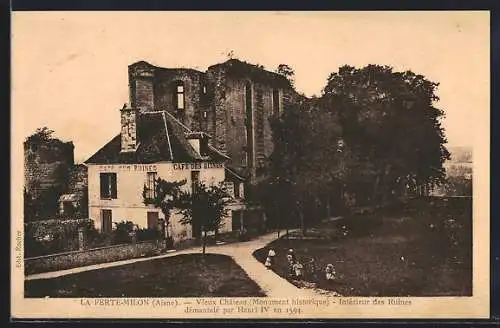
(296, 268)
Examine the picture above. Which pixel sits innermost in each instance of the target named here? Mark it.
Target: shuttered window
(151, 185)
(108, 185)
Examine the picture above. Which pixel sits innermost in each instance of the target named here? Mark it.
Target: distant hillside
(458, 172)
(460, 154)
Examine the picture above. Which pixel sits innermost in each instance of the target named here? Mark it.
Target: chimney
(129, 129)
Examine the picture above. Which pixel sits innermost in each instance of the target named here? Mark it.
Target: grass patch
(192, 275)
(420, 248)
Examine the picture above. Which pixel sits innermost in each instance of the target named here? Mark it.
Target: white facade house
(153, 145)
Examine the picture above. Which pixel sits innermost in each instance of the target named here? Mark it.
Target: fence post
(133, 237)
(81, 238)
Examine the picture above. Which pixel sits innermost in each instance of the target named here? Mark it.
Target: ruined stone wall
(215, 102)
(229, 129)
(78, 184)
(263, 114)
(141, 81)
(47, 166)
(230, 123)
(78, 178)
(217, 125)
(195, 95)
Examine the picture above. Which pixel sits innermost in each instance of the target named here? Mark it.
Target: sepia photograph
(250, 164)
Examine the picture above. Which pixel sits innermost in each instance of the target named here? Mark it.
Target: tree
(41, 135)
(390, 125)
(288, 72)
(165, 197)
(204, 207)
(30, 206)
(306, 161)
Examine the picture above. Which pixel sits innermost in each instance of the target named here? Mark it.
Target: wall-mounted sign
(128, 168)
(197, 166)
(154, 168)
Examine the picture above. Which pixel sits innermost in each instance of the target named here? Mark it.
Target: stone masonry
(231, 101)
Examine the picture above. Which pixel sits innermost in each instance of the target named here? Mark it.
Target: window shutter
(113, 185)
(104, 185)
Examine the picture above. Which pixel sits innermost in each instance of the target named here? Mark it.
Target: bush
(244, 235)
(358, 225)
(53, 236)
(169, 242)
(96, 239)
(122, 232)
(147, 234)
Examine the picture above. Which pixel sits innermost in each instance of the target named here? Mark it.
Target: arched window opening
(179, 96)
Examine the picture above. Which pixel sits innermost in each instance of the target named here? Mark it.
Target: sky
(69, 69)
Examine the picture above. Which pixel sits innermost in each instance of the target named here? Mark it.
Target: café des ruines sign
(154, 167)
(197, 166)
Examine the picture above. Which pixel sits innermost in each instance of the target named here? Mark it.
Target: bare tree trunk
(302, 222)
(204, 241)
(376, 189)
(328, 209)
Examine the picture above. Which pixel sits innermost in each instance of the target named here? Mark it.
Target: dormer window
(179, 96)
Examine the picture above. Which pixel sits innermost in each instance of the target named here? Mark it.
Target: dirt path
(272, 284)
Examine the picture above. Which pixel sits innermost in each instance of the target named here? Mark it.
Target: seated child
(268, 263)
(330, 272)
(291, 262)
(271, 255)
(298, 269)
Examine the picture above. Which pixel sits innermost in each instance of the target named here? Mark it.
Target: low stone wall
(75, 259)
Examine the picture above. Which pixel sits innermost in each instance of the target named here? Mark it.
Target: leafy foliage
(287, 72)
(204, 207)
(391, 125)
(41, 135)
(42, 206)
(147, 234)
(307, 161)
(53, 236)
(165, 197)
(373, 134)
(122, 231)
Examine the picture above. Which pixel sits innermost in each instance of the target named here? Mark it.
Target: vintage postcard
(225, 165)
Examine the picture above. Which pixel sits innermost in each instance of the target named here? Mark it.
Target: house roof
(161, 138)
